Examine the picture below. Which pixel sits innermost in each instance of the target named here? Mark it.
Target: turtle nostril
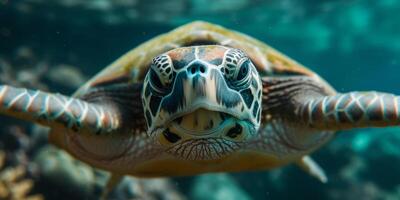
(202, 69)
(197, 68)
(235, 131)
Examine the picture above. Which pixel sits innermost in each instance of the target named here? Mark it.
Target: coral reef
(24, 71)
(13, 184)
(76, 180)
(152, 189)
(24, 68)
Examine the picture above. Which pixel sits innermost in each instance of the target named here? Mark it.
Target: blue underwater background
(56, 45)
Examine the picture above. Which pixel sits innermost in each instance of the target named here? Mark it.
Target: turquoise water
(354, 45)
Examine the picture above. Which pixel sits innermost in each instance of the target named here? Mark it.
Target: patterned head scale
(162, 67)
(202, 93)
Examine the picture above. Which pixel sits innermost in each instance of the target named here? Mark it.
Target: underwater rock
(162, 188)
(217, 187)
(66, 75)
(59, 170)
(15, 139)
(74, 179)
(22, 69)
(38, 136)
(151, 189)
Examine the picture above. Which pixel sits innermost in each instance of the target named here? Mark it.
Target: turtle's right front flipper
(57, 110)
(301, 113)
(352, 110)
(308, 103)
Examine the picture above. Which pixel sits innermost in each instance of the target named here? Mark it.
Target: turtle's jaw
(204, 134)
(203, 123)
(204, 149)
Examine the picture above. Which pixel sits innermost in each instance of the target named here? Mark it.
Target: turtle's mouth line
(212, 108)
(202, 122)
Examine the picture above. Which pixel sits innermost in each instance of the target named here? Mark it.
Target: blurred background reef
(56, 45)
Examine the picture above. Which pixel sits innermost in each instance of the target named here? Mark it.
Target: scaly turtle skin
(200, 99)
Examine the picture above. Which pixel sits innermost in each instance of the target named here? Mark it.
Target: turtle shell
(132, 66)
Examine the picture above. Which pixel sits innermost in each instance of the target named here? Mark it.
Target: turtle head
(202, 102)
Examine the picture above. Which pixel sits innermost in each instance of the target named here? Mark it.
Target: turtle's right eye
(161, 74)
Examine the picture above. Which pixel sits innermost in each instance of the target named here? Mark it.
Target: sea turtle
(199, 99)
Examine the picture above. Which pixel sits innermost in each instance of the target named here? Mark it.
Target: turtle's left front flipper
(57, 110)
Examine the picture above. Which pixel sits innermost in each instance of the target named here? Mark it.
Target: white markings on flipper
(12, 102)
(31, 99)
(3, 92)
